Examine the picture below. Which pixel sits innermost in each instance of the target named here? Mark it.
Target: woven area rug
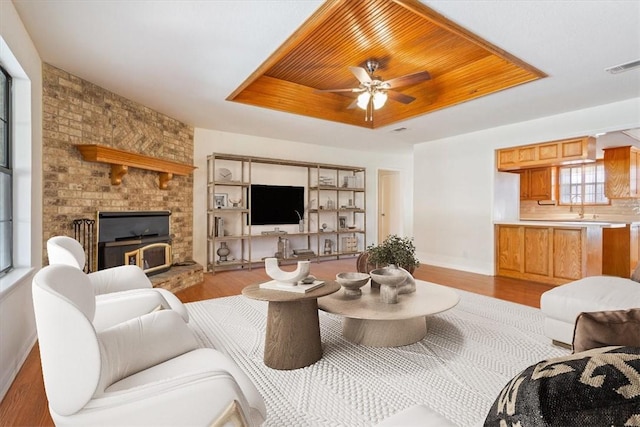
(469, 354)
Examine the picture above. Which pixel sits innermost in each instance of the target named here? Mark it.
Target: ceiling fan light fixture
(363, 100)
(379, 99)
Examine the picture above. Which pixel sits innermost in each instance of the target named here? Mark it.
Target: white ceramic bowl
(352, 282)
(388, 276)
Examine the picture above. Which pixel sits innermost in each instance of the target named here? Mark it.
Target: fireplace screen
(150, 258)
(136, 238)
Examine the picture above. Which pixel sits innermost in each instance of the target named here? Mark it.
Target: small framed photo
(342, 222)
(221, 200)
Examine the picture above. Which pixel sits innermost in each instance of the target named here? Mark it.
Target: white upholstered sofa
(145, 371)
(562, 305)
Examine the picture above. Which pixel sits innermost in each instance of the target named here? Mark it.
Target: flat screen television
(276, 204)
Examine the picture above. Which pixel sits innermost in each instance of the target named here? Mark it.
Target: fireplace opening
(136, 238)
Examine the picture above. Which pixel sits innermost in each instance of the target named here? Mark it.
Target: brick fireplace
(76, 111)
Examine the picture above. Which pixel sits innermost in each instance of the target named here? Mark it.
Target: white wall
(207, 142)
(454, 182)
(17, 326)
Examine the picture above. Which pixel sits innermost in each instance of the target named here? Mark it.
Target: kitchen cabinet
(621, 250)
(536, 184)
(622, 172)
(553, 254)
(552, 153)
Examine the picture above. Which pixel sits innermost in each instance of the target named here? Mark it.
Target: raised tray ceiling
(405, 37)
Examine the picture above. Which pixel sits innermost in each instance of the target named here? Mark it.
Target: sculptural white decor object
(289, 278)
(389, 279)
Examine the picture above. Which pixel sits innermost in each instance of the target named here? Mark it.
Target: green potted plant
(399, 251)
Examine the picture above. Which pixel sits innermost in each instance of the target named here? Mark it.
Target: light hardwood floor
(25, 403)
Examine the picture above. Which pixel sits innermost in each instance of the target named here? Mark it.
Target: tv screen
(276, 204)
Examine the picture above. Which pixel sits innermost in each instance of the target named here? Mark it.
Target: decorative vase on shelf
(223, 251)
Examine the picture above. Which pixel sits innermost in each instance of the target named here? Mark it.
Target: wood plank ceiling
(405, 37)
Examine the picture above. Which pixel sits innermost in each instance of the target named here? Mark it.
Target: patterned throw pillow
(599, 387)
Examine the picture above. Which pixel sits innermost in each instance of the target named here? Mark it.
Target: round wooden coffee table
(292, 340)
(369, 321)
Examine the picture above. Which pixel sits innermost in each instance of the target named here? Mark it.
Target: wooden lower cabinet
(548, 254)
(620, 250)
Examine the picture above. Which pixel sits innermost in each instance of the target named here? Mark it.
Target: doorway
(389, 204)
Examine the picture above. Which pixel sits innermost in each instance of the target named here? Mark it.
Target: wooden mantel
(120, 162)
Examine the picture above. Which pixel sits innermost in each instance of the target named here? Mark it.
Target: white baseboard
(12, 372)
(455, 264)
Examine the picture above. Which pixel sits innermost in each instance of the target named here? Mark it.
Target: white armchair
(145, 371)
(120, 291)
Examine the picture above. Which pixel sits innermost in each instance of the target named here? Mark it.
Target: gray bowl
(388, 276)
(352, 282)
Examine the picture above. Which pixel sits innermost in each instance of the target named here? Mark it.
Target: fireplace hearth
(139, 238)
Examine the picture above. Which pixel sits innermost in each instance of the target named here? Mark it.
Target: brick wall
(79, 112)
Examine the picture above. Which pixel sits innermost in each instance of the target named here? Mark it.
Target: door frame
(384, 200)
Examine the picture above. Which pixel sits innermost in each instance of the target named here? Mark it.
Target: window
(6, 202)
(582, 184)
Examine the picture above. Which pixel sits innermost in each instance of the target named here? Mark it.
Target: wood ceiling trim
(405, 36)
(278, 95)
(440, 20)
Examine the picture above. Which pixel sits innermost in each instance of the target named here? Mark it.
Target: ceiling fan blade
(353, 105)
(400, 97)
(355, 89)
(361, 74)
(409, 79)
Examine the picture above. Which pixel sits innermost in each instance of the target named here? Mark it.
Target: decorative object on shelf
(399, 251)
(271, 232)
(352, 282)
(223, 251)
(330, 204)
(349, 182)
(302, 253)
(235, 202)
(223, 174)
(350, 244)
(389, 279)
(300, 222)
(221, 200)
(328, 246)
(326, 181)
(284, 248)
(342, 223)
(219, 223)
(286, 278)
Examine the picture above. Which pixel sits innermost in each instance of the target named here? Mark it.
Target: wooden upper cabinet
(536, 184)
(622, 172)
(552, 153)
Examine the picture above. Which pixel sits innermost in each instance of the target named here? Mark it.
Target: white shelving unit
(335, 198)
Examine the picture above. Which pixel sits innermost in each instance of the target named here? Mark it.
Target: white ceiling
(184, 57)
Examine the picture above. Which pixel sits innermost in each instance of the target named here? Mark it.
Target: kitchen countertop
(601, 224)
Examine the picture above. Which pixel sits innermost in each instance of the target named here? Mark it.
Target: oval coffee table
(292, 340)
(369, 321)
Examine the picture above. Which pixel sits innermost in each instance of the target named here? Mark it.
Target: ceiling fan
(374, 91)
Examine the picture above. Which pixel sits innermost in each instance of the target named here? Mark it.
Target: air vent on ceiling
(397, 130)
(623, 67)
